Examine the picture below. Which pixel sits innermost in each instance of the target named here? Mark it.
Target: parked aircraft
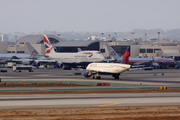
(155, 62)
(114, 69)
(41, 60)
(25, 59)
(17, 58)
(81, 58)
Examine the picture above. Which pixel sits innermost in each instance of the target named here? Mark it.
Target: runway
(88, 100)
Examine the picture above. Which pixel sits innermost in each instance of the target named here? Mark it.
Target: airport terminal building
(155, 49)
(58, 44)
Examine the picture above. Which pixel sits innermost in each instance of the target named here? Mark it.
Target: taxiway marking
(109, 104)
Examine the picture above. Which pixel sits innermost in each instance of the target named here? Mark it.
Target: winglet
(125, 59)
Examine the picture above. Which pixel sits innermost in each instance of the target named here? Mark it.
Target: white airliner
(82, 58)
(114, 69)
(41, 60)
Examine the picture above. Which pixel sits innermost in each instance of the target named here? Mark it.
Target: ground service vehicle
(22, 69)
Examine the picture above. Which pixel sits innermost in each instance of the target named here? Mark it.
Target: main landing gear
(98, 77)
(116, 76)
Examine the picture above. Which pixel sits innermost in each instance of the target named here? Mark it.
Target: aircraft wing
(70, 61)
(55, 61)
(45, 61)
(58, 64)
(22, 61)
(141, 68)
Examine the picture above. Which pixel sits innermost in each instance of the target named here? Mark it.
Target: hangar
(58, 44)
(38, 39)
(72, 45)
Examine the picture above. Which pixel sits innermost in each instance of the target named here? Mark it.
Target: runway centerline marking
(109, 104)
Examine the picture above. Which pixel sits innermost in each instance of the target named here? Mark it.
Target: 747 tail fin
(48, 47)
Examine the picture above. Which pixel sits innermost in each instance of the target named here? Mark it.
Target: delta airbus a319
(114, 69)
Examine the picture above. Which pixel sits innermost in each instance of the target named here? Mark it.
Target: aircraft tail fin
(33, 52)
(48, 47)
(112, 52)
(79, 49)
(125, 59)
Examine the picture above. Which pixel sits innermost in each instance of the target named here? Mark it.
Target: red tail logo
(46, 41)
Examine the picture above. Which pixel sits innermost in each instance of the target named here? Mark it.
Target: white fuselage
(108, 67)
(83, 56)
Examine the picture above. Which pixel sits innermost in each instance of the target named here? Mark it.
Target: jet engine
(36, 64)
(155, 64)
(59, 65)
(26, 62)
(87, 74)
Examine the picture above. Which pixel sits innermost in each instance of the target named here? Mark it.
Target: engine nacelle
(87, 74)
(26, 62)
(36, 64)
(59, 65)
(155, 64)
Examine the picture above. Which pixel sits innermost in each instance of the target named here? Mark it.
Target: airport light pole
(115, 38)
(133, 35)
(145, 38)
(158, 42)
(15, 38)
(102, 42)
(109, 36)
(96, 37)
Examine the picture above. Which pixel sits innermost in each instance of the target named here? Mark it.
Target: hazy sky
(88, 15)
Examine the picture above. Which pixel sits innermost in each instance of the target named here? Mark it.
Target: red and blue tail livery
(125, 59)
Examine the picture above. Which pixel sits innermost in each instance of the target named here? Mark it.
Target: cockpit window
(98, 53)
